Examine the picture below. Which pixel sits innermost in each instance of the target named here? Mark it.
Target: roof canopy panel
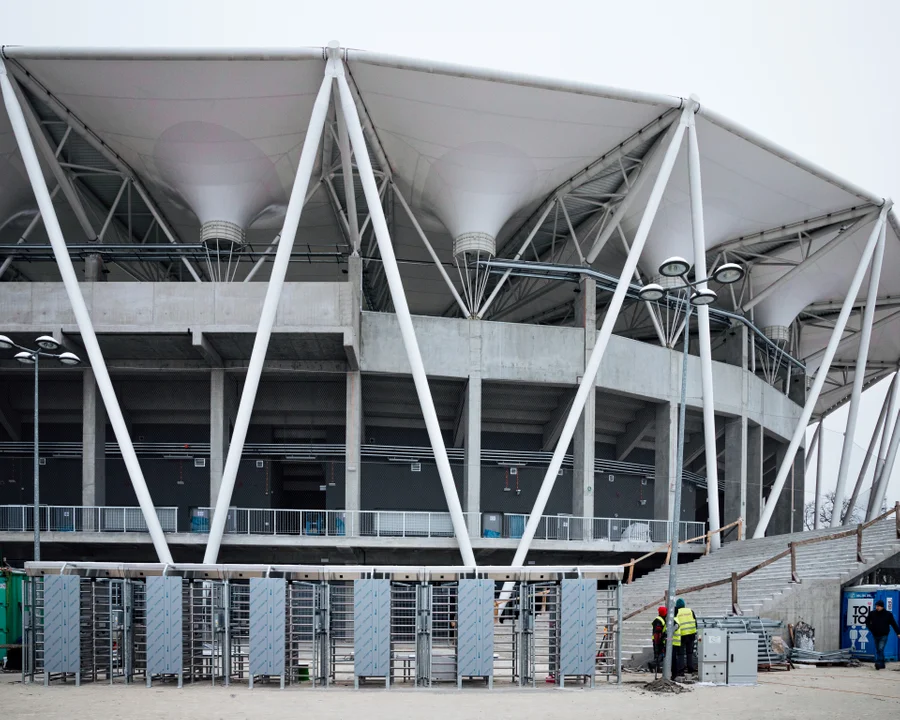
(474, 152)
(746, 189)
(219, 140)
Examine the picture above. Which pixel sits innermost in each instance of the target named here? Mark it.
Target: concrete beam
(695, 446)
(635, 431)
(203, 346)
(554, 426)
(9, 420)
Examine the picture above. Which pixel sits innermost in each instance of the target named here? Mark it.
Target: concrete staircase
(822, 567)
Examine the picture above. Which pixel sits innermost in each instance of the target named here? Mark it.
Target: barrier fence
(345, 523)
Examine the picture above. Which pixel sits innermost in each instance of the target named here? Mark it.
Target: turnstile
(243, 629)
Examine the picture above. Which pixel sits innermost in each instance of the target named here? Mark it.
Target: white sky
(817, 76)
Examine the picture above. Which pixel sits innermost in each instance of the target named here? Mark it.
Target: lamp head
(675, 267)
(45, 342)
(703, 297)
(652, 292)
(729, 273)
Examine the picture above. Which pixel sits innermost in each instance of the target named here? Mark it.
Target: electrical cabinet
(713, 656)
(742, 658)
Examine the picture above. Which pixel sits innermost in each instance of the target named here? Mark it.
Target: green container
(12, 590)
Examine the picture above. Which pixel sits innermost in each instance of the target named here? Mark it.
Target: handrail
(736, 577)
(707, 535)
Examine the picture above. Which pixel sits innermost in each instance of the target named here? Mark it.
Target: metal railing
(344, 523)
(340, 523)
(583, 529)
(83, 518)
(734, 579)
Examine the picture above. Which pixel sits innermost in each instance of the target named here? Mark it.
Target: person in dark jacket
(880, 622)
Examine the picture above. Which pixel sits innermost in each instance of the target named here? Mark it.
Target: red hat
(662, 611)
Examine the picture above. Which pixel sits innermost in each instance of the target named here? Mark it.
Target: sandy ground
(804, 693)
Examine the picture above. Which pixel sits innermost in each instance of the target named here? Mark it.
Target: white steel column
(820, 467)
(812, 446)
(884, 478)
(859, 377)
(885, 441)
(870, 452)
(676, 134)
(270, 308)
(709, 419)
(821, 375)
(82, 317)
(398, 296)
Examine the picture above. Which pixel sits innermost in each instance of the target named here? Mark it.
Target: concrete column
(353, 450)
(93, 439)
(754, 477)
(471, 421)
(736, 348)
(471, 500)
(222, 406)
(666, 460)
(585, 432)
(736, 467)
(355, 427)
(93, 269)
(788, 515)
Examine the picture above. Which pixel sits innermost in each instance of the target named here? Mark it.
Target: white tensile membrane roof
(217, 138)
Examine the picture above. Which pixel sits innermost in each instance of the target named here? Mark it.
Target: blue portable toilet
(856, 605)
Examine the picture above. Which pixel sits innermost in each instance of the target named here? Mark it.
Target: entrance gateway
(292, 624)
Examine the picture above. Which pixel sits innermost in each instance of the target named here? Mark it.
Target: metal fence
(82, 518)
(345, 523)
(583, 529)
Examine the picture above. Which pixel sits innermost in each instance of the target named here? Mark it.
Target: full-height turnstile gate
(322, 625)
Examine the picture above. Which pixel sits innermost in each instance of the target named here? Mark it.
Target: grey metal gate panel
(164, 629)
(62, 632)
(267, 614)
(371, 628)
(475, 638)
(579, 627)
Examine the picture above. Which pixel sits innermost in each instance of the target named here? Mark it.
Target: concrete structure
(292, 310)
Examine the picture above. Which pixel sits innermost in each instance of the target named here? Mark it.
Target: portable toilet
(857, 603)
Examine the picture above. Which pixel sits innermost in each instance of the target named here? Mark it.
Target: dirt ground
(817, 694)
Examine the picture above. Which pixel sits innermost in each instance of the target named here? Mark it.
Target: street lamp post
(726, 274)
(46, 346)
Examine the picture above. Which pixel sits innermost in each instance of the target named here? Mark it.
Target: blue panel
(475, 636)
(371, 627)
(62, 637)
(267, 623)
(164, 630)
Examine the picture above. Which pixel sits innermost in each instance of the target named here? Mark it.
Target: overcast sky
(818, 76)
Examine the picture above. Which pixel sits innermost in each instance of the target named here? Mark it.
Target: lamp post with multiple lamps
(46, 347)
(726, 274)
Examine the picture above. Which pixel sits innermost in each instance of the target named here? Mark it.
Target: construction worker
(659, 638)
(677, 651)
(687, 624)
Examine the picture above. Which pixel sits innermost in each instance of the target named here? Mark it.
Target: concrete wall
(176, 307)
(529, 353)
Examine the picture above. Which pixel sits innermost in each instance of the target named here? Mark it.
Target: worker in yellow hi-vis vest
(687, 624)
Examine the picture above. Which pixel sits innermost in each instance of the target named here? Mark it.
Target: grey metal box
(492, 524)
(712, 652)
(742, 658)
